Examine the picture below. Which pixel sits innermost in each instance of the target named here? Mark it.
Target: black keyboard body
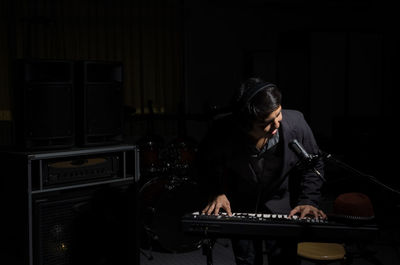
(246, 225)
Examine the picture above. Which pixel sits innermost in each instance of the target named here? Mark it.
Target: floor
(222, 255)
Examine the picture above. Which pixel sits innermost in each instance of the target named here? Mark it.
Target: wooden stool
(321, 253)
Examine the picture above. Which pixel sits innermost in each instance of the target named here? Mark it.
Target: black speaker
(91, 225)
(55, 212)
(99, 98)
(44, 104)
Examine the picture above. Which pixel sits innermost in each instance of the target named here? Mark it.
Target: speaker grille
(99, 97)
(44, 104)
(55, 222)
(88, 226)
(49, 111)
(104, 109)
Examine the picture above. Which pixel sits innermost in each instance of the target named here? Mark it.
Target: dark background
(336, 61)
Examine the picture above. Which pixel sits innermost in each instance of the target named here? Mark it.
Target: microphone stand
(207, 246)
(363, 251)
(328, 157)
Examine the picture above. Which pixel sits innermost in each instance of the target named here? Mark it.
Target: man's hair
(255, 100)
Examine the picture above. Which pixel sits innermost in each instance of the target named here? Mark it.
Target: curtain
(145, 35)
(4, 62)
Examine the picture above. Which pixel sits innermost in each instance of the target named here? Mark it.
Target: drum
(150, 157)
(181, 156)
(163, 201)
(151, 164)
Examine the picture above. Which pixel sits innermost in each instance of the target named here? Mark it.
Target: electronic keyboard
(275, 225)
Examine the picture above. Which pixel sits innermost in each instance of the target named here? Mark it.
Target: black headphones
(243, 100)
(249, 93)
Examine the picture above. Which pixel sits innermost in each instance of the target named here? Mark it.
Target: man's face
(269, 126)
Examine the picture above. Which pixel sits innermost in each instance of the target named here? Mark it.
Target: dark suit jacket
(223, 167)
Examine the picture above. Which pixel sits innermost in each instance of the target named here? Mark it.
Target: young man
(246, 165)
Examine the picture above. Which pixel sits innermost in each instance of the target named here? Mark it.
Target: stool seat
(321, 251)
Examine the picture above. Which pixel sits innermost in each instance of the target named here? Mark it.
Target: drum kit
(167, 191)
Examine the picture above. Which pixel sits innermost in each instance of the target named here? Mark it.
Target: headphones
(249, 93)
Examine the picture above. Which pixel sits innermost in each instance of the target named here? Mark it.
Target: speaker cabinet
(99, 115)
(44, 104)
(85, 220)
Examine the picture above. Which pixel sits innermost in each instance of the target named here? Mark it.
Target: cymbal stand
(152, 237)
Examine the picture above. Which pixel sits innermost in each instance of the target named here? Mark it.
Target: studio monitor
(44, 104)
(99, 112)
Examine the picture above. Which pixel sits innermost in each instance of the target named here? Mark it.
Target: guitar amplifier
(84, 169)
(70, 207)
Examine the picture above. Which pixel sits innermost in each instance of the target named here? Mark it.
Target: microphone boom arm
(328, 157)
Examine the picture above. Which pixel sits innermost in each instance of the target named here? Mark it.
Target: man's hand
(305, 210)
(221, 201)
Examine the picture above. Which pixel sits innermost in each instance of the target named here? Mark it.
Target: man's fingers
(307, 210)
(228, 210)
(216, 211)
(215, 206)
(304, 212)
(315, 213)
(294, 211)
(322, 214)
(210, 208)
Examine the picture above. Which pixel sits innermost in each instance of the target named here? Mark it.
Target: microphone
(299, 150)
(305, 158)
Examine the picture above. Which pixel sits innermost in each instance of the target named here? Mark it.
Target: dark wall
(335, 61)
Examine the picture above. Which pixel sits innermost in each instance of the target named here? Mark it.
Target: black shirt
(267, 162)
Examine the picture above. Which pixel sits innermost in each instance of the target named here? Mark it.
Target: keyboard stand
(207, 245)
